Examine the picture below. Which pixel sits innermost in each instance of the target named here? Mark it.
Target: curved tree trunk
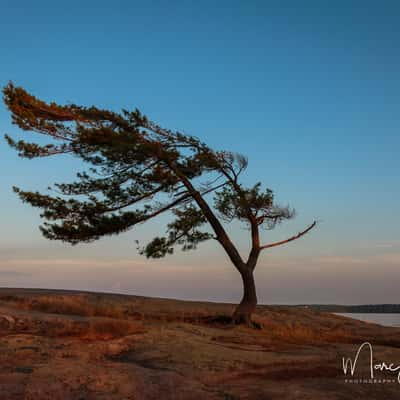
(247, 306)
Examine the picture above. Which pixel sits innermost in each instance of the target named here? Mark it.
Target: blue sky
(309, 91)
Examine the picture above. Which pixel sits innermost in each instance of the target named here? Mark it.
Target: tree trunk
(247, 306)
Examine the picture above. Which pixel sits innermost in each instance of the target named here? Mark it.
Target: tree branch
(165, 208)
(300, 234)
(255, 244)
(219, 230)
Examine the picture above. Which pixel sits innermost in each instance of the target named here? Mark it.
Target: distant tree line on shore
(366, 308)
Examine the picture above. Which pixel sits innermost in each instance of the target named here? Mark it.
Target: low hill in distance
(58, 344)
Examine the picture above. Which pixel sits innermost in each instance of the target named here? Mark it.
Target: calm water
(381, 319)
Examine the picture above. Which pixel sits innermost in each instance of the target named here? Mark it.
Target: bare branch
(300, 234)
(213, 188)
(165, 208)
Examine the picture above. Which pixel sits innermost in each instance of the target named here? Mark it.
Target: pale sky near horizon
(309, 91)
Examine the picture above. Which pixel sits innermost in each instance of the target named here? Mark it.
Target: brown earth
(78, 345)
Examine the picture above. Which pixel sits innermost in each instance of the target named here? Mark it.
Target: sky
(309, 91)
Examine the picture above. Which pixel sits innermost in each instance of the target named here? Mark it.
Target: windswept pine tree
(139, 170)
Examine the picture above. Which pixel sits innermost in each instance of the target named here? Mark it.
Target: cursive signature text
(382, 366)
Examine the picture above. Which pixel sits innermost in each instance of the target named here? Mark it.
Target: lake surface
(381, 319)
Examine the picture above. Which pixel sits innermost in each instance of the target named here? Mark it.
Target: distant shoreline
(333, 308)
(356, 309)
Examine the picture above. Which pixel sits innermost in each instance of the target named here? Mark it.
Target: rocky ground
(74, 345)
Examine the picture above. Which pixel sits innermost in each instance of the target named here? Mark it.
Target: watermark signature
(349, 366)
